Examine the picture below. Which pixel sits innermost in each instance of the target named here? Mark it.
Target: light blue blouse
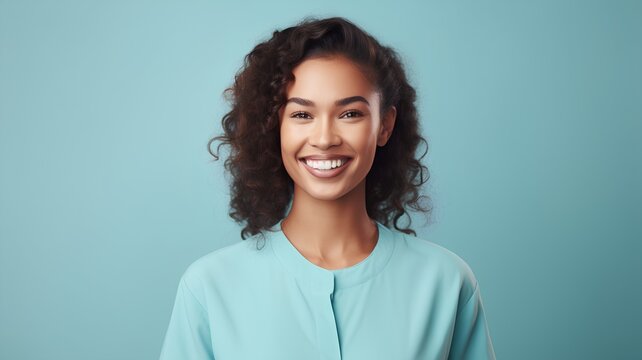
(409, 299)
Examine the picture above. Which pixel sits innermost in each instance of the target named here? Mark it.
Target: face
(331, 115)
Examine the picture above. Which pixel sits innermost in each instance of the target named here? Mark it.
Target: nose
(323, 134)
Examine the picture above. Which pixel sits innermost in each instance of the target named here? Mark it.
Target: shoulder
(435, 263)
(227, 264)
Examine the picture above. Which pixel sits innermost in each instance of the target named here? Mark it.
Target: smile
(326, 164)
(324, 168)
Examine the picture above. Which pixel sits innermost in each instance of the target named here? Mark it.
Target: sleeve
(471, 338)
(188, 333)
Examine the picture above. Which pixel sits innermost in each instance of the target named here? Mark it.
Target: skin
(328, 222)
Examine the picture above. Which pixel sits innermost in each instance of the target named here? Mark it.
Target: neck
(331, 233)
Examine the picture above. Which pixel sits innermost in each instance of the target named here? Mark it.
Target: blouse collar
(316, 278)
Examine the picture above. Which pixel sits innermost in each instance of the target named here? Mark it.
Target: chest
(381, 319)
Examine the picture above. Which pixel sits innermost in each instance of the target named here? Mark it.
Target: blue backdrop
(532, 111)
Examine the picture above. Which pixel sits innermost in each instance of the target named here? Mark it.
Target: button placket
(327, 334)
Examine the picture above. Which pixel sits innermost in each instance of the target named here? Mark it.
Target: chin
(328, 197)
(329, 194)
(324, 194)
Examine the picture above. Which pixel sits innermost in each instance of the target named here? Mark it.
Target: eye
(300, 115)
(353, 113)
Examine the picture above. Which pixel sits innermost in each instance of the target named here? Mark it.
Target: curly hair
(261, 189)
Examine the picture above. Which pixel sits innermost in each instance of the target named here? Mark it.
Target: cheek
(285, 136)
(364, 141)
(290, 140)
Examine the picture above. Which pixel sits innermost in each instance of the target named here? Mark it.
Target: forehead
(325, 79)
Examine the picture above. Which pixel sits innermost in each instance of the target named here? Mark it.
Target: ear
(387, 125)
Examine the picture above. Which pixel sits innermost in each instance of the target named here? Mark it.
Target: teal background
(532, 111)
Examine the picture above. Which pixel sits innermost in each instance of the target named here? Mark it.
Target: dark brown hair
(261, 189)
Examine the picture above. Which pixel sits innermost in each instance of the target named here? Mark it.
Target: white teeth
(325, 164)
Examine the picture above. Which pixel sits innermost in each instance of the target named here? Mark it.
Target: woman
(323, 132)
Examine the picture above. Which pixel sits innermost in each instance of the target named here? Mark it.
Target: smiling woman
(323, 132)
(348, 129)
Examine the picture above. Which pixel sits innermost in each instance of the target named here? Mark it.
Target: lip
(325, 173)
(325, 157)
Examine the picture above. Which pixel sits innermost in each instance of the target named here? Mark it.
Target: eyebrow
(340, 102)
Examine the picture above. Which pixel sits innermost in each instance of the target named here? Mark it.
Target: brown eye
(353, 113)
(300, 115)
